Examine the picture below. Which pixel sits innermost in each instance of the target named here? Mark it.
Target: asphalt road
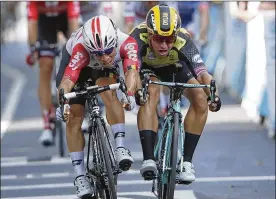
(234, 158)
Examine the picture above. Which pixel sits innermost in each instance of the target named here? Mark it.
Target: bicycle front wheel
(173, 160)
(108, 171)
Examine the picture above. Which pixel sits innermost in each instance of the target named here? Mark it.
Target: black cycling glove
(216, 105)
(140, 98)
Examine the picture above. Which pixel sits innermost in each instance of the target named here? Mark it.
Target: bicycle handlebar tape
(70, 95)
(114, 86)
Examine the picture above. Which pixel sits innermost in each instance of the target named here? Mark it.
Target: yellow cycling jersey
(183, 51)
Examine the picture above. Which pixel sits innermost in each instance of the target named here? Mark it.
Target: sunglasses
(160, 39)
(103, 52)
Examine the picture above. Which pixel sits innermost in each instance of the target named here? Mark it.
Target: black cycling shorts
(86, 73)
(165, 74)
(48, 28)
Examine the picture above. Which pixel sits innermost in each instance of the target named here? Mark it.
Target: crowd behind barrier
(240, 51)
(246, 48)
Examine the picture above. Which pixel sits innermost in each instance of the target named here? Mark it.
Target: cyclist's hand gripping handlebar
(62, 112)
(141, 95)
(213, 90)
(127, 101)
(214, 101)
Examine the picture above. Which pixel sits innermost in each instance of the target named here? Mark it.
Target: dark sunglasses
(103, 52)
(160, 39)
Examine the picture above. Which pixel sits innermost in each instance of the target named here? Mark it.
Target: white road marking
(19, 81)
(229, 113)
(23, 161)
(14, 159)
(56, 175)
(120, 182)
(187, 194)
(9, 177)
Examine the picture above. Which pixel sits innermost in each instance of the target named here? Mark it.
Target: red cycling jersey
(52, 8)
(127, 52)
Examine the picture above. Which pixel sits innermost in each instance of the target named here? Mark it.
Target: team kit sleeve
(129, 54)
(190, 51)
(79, 59)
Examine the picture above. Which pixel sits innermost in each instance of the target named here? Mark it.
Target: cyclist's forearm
(205, 78)
(132, 80)
(67, 85)
(32, 32)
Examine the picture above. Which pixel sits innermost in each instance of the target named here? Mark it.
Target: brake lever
(213, 90)
(123, 87)
(145, 85)
(61, 101)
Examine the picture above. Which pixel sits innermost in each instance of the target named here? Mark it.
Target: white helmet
(99, 34)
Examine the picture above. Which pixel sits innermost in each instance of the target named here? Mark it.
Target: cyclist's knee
(199, 101)
(109, 97)
(75, 118)
(154, 94)
(74, 124)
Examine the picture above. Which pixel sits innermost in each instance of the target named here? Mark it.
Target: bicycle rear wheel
(109, 178)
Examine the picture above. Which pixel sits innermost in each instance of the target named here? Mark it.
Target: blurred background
(237, 43)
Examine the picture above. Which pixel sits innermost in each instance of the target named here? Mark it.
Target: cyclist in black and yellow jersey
(163, 48)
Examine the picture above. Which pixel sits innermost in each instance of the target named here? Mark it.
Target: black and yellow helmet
(163, 20)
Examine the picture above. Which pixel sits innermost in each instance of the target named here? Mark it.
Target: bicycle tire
(161, 157)
(174, 150)
(95, 163)
(59, 131)
(111, 192)
(92, 160)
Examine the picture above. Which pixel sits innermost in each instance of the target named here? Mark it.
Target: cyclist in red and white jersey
(45, 19)
(94, 52)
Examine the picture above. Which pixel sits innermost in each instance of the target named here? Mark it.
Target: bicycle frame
(100, 179)
(94, 113)
(174, 107)
(170, 139)
(103, 169)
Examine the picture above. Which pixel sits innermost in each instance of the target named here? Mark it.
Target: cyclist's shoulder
(124, 38)
(127, 45)
(182, 38)
(140, 33)
(76, 42)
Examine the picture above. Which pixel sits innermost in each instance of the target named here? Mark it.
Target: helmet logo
(153, 21)
(165, 18)
(175, 22)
